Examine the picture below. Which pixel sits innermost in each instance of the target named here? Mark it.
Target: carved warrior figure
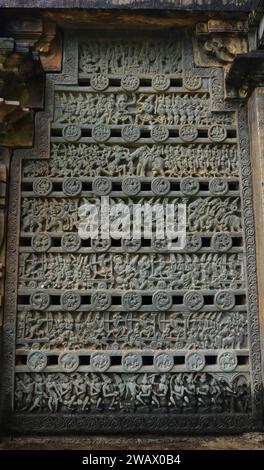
(123, 330)
(182, 139)
(142, 109)
(131, 271)
(137, 57)
(207, 214)
(90, 392)
(157, 160)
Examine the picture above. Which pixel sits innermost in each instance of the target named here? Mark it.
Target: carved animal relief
(122, 334)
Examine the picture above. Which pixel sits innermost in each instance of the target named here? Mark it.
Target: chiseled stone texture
(242, 5)
(240, 442)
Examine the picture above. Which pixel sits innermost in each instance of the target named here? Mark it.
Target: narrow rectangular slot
(242, 360)
(237, 241)
(146, 186)
(27, 186)
(116, 300)
(147, 300)
(56, 132)
(115, 133)
(203, 133)
(25, 241)
(208, 300)
(175, 186)
(55, 300)
(21, 360)
(204, 185)
(176, 82)
(210, 360)
(57, 187)
(86, 132)
(233, 185)
(145, 242)
(116, 360)
(179, 360)
(147, 360)
(116, 242)
(87, 186)
(240, 299)
(52, 360)
(56, 241)
(23, 299)
(206, 242)
(84, 360)
(86, 243)
(117, 186)
(177, 299)
(231, 134)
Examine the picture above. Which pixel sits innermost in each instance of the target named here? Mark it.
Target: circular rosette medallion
(163, 362)
(189, 186)
(100, 244)
(71, 242)
(225, 300)
(131, 246)
(160, 82)
(130, 82)
(37, 361)
(71, 186)
(162, 300)
(131, 301)
(192, 82)
(159, 133)
(227, 361)
(99, 82)
(131, 185)
(42, 186)
(195, 362)
(188, 133)
(68, 361)
(101, 300)
(160, 186)
(102, 185)
(218, 186)
(130, 133)
(217, 133)
(132, 362)
(39, 300)
(193, 300)
(72, 132)
(70, 300)
(193, 242)
(41, 242)
(222, 242)
(100, 361)
(101, 132)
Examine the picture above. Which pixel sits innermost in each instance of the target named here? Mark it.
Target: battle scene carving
(128, 325)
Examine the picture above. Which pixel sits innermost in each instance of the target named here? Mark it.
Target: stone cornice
(201, 5)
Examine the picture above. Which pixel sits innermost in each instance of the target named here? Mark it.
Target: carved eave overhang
(246, 73)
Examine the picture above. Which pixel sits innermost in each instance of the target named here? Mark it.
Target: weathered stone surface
(239, 442)
(233, 5)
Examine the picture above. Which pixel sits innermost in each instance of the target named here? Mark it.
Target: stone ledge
(202, 5)
(254, 441)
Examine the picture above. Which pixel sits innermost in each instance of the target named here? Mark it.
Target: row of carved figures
(174, 392)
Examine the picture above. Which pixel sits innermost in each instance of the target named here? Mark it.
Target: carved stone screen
(115, 335)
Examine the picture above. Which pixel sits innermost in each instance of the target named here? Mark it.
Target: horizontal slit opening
(147, 360)
(179, 360)
(210, 360)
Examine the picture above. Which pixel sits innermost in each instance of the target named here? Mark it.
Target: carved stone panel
(128, 334)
